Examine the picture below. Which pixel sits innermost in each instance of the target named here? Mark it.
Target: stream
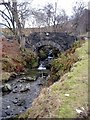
(24, 90)
(22, 95)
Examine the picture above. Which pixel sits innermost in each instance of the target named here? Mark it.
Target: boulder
(24, 89)
(13, 76)
(29, 78)
(24, 78)
(6, 88)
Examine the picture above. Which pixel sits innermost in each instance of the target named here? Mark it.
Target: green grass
(76, 85)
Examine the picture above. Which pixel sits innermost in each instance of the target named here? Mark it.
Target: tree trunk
(18, 24)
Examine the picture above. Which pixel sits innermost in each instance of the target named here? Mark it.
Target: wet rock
(8, 107)
(40, 84)
(24, 89)
(22, 73)
(25, 107)
(14, 91)
(15, 101)
(24, 78)
(8, 112)
(15, 87)
(16, 98)
(13, 76)
(21, 81)
(32, 78)
(20, 85)
(21, 102)
(6, 88)
(29, 78)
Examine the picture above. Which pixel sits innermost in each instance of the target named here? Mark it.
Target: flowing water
(18, 100)
(23, 92)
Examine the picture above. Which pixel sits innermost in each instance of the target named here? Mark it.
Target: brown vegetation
(14, 59)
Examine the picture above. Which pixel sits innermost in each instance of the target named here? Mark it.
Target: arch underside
(47, 43)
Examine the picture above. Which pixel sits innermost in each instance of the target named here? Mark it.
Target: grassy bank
(64, 97)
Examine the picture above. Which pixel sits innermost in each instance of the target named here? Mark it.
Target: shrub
(65, 61)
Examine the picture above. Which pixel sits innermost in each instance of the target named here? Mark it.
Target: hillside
(68, 97)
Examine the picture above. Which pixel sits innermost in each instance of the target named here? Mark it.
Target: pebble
(14, 91)
(16, 98)
(15, 101)
(15, 86)
(67, 95)
(79, 111)
(8, 112)
(25, 107)
(21, 102)
(8, 107)
(20, 85)
(24, 89)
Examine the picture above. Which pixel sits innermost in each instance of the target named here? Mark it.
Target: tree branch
(5, 15)
(6, 20)
(6, 26)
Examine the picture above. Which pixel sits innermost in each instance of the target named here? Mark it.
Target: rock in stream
(20, 95)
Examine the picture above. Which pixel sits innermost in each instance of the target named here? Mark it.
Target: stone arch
(46, 42)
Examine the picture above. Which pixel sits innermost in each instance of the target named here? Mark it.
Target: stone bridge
(60, 41)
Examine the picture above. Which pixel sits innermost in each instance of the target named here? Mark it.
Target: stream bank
(66, 96)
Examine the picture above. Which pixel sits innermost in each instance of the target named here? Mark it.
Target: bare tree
(39, 17)
(24, 11)
(7, 16)
(47, 16)
(61, 20)
(44, 16)
(49, 13)
(14, 16)
(78, 10)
